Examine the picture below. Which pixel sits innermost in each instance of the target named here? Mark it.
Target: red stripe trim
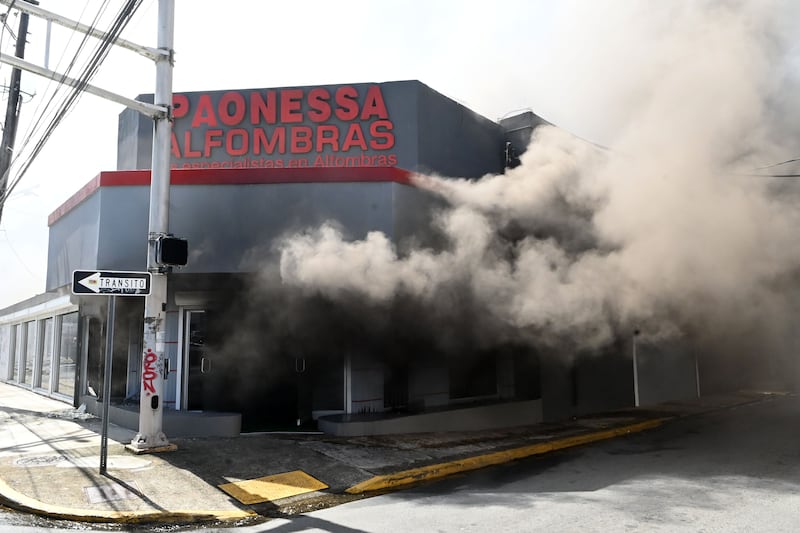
(245, 176)
(235, 176)
(82, 194)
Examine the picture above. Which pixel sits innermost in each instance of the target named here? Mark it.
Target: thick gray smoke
(666, 230)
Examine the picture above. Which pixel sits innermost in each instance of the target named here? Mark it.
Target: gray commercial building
(250, 167)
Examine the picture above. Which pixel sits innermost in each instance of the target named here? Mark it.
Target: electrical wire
(124, 16)
(14, 252)
(778, 164)
(46, 111)
(5, 22)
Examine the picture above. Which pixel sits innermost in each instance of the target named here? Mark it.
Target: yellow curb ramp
(426, 473)
(274, 487)
(21, 502)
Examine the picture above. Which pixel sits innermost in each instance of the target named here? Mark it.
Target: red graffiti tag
(149, 373)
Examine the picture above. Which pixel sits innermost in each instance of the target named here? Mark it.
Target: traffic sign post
(111, 283)
(112, 304)
(159, 255)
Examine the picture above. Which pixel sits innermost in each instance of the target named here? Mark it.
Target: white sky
(494, 57)
(487, 57)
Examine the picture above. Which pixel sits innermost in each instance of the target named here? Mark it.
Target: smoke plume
(666, 230)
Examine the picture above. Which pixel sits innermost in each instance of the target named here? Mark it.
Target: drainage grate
(40, 460)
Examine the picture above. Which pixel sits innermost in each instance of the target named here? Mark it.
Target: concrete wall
(6, 338)
(230, 228)
(456, 141)
(484, 417)
(601, 382)
(134, 138)
(518, 133)
(432, 133)
(366, 385)
(506, 386)
(175, 423)
(428, 386)
(73, 242)
(575, 384)
(414, 218)
(666, 371)
(122, 232)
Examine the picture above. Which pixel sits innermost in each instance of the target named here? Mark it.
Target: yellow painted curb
(274, 487)
(424, 473)
(20, 502)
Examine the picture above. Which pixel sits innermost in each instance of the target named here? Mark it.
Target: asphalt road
(732, 470)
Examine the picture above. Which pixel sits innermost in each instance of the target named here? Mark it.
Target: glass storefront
(42, 353)
(45, 356)
(67, 355)
(30, 352)
(19, 342)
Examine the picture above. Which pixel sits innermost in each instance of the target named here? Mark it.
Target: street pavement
(50, 462)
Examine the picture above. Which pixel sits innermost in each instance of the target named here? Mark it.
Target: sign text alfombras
(311, 121)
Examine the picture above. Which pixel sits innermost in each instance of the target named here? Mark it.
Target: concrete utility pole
(12, 110)
(151, 436)
(636, 333)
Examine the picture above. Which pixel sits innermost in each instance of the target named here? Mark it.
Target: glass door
(198, 362)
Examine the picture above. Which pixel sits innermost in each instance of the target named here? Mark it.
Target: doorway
(199, 364)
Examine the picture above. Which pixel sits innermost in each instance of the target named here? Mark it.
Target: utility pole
(12, 110)
(636, 333)
(163, 249)
(154, 367)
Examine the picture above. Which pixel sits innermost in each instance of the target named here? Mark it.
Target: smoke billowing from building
(664, 231)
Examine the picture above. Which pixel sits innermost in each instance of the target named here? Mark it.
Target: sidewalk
(49, 462)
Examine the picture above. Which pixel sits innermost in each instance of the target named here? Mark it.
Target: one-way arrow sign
(105, 282)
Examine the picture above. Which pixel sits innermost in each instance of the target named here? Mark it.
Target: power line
(13, 251)
(123, 17)
(12, 106)
(778, 164)
(46, 111)
(59, 88)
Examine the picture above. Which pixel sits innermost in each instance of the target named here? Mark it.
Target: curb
(426, 473)
(18, 501)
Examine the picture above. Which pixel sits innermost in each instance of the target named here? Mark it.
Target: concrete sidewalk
(49, 462)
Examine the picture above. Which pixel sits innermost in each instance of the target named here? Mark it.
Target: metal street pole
(151, 436)
(696, 373)
(635, 371)
(12, 110)
(112, 305)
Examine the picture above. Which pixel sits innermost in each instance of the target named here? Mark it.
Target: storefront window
(19, 344)
(43, 380)
(30, 351)
(474, 377)
(7, 349)
(68, 355)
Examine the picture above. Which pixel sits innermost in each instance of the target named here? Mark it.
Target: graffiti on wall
(149, 374)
